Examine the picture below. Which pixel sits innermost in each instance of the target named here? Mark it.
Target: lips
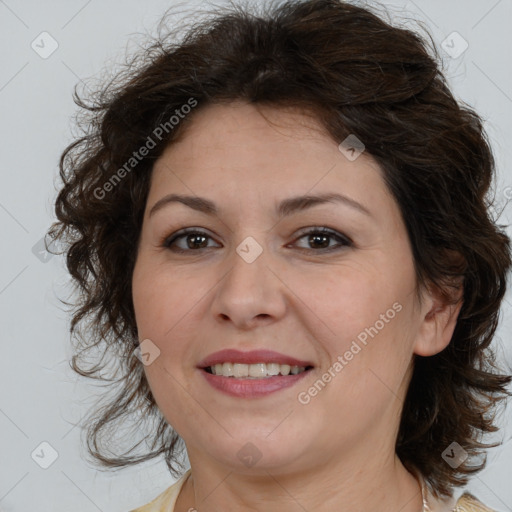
(251, 357)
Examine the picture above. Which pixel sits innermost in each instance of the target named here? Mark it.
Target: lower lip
(252, 388)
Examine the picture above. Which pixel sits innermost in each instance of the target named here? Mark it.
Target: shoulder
(468, 503)
(165, 501)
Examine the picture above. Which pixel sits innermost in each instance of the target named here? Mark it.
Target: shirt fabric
(166, 501)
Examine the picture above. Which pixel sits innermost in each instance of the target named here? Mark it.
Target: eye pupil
(318, 239)
(315, 237)
(194, 243)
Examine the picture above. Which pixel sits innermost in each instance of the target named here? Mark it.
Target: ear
(438, 322)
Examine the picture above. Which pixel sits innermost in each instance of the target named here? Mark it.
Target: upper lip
(254, 356)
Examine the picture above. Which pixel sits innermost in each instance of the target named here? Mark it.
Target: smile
(246, 386)
(252, 374)
(254, 371)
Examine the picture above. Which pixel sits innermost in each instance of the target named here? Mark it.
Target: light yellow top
(166, 501)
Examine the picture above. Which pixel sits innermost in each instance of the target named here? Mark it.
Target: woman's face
(253, 279)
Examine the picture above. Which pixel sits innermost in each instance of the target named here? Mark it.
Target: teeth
(254, 371)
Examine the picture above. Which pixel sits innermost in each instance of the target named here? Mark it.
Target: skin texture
(295, 298)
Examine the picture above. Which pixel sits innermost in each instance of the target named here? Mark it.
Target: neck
(372, 486)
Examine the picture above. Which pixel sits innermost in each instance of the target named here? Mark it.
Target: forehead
(239, 150)
(241, 127)
(241, 135)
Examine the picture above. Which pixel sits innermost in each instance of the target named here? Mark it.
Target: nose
(251, 292)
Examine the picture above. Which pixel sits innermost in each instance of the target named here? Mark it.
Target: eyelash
(345, 241)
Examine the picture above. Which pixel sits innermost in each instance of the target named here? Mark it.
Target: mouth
(255, 371)
(252, 374)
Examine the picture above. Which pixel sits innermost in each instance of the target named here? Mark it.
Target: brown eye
(193, 240)
(320, 238)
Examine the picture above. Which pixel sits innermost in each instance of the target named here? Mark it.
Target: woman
(280, 234)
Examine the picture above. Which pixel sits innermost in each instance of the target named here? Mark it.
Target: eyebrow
(285, 208)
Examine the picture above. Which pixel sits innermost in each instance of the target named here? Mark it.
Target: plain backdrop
(41, 400)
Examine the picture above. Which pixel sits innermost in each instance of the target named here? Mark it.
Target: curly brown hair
(357, 74)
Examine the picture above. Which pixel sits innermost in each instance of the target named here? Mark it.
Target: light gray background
(40, 398)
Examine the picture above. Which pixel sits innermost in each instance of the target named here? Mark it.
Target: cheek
(348, 302)
(363, 318)
(161, 299)
(162, 308)
(170, 311)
